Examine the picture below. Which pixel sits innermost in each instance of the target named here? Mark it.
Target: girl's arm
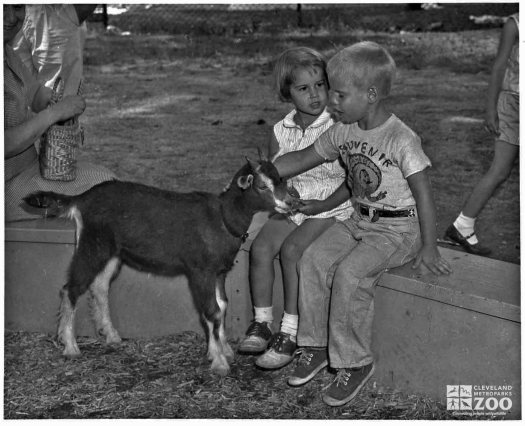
(429, 254)
(313, 207)
(17, 139)
(507, 40)
(297, 162)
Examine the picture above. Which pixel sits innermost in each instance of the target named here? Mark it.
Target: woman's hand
(67, 108)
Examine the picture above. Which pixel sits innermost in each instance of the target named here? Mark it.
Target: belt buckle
(411, 212)
(373, 214)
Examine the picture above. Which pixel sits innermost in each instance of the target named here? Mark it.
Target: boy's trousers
(338, 274)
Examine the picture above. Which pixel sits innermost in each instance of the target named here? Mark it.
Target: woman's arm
(18, 138)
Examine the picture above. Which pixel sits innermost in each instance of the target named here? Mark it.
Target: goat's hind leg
(66, 323)
(99, 290)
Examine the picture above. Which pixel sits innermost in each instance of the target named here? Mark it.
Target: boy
(393, 223)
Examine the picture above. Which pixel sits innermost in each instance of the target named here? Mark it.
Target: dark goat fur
(197, 234)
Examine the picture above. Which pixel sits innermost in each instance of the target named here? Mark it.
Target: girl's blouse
(320, 182)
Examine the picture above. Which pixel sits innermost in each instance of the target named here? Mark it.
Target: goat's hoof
(221, 370)
(71, 353)
(113, 340)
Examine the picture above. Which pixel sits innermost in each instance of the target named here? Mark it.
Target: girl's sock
(465, 226)
(264, 314)
(289, 325)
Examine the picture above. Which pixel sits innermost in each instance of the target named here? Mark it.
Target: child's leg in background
(282, 347)
(262, 254)
(504, 156)
(506, 149)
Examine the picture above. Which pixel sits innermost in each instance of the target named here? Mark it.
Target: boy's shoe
(347, 384)
(280, 352)
(257, 337)
(310, 362)
(453, 234)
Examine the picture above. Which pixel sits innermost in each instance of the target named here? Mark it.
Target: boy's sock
(465, 226)
(264, 314)
(289, 325)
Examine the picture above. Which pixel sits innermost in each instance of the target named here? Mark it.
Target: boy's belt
(374, 214)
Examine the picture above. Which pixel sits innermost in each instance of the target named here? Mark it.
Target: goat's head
(260, 180)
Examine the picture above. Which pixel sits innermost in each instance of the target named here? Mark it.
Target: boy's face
(347, 102)
(309, 91)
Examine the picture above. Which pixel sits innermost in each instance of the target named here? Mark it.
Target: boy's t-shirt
(378, 161)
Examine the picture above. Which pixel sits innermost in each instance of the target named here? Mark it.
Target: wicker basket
(59, 145)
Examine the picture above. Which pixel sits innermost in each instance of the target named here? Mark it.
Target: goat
(167, 233)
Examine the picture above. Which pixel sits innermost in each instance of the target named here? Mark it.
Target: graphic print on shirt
(364, 176)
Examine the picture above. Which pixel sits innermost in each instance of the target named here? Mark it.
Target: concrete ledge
(429, 331)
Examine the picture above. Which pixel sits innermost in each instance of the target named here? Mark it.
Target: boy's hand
(430, 257)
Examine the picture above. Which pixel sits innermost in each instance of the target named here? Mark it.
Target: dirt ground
(182, 113)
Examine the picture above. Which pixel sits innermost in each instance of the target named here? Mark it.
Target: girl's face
(309, 93)
(13, 19)
(348, 103)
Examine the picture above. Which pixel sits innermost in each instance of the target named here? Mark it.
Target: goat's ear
(253, 164)
(245, 182)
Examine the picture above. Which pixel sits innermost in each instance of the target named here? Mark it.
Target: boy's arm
(507, 39)
(296, 162)
(429, 254)
(313, 207)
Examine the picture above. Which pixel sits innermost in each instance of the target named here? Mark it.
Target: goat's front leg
(222, 301)
(100, 301)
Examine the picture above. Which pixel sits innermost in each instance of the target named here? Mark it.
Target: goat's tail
(49, 203)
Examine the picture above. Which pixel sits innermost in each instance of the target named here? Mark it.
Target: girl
(300, 78)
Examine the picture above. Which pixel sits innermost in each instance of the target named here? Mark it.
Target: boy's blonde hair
(364, 64)
(289, 61)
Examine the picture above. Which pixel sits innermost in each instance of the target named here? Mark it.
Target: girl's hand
(68, 107)
(430, 257)
(310, 207)
(492, 121)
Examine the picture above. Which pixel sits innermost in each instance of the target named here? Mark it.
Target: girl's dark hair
(289, 61)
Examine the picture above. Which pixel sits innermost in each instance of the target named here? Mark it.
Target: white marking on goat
(66, 326)
(99, 290)
(219, 364)
(74, 213)
(226, 348)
